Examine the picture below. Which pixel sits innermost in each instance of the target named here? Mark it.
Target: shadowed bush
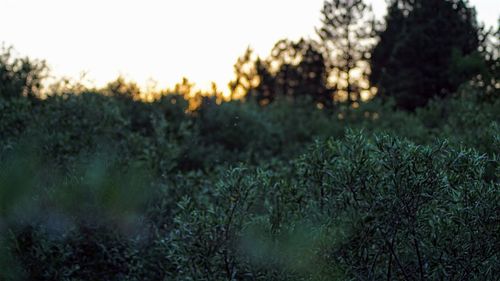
(364, 208)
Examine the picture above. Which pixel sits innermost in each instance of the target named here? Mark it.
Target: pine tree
(246, 76)
(264, 92)
(347, 35)
(293, 70)
(298, 70)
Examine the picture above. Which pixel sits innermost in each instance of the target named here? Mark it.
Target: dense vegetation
(291, 182)
(97, 186)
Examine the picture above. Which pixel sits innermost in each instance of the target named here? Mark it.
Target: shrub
(414, 211)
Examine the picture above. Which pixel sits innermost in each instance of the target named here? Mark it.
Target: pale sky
(162, 40)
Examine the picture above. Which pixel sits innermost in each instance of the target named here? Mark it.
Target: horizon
(157, 44)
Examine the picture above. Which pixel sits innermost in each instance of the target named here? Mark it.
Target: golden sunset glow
(156, 43)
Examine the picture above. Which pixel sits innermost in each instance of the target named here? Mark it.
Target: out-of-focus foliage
(293, 71)
(95, 185)
(99, 184)
(489, 78)
(362, 207)
(246, 75)
(347, 34)
(20, 76)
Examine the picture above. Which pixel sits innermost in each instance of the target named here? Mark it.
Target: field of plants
(306, 172)
(102, 187)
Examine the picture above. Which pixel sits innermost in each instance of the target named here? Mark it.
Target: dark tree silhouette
(121, 88)
(300, 71)
(412, 61)
(293, 70)
(20, 77)
(347, 36)
(253, 80)
(246, 76)
(264, 92)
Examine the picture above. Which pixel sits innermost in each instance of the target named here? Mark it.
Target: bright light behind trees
(161, 40)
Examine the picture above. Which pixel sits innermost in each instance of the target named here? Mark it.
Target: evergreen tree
(264, 92)
(253, 80)
(300, 70)
(412, 62)
(246, 76)
(293, 70)
(347, 34)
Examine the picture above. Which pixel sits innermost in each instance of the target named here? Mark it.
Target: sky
(162, 40)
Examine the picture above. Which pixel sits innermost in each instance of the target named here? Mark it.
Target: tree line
(423, 49)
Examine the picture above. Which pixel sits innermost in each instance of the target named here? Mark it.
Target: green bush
(414, 211)
(97, 186)
(357, 208)
(15, 117)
